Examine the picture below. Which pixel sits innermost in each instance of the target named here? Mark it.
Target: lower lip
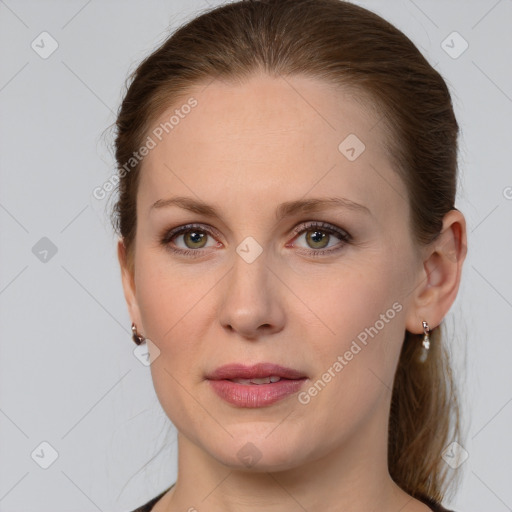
(255, 395)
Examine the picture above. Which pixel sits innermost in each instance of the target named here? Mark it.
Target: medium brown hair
(349, 46)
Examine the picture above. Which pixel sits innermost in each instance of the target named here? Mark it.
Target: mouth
(262, 380)
(261, 373)
(260, 385)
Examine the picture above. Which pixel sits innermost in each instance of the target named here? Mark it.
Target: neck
(351, 477)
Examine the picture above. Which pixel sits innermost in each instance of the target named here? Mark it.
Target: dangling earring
(135, 336)
(425, 342)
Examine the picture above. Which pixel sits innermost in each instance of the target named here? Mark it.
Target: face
(323, 291)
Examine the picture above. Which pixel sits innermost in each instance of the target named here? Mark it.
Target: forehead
(276, 137)
(276, 108)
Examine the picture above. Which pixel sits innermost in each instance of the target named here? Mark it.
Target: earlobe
(441, 273)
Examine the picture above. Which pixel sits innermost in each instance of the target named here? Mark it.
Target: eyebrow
(286, 209)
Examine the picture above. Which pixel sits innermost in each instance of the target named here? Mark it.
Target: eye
(194, 237)
(317, 236)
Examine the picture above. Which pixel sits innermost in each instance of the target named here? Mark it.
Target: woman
(289, 247)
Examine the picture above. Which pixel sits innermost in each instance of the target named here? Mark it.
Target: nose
(252, 302)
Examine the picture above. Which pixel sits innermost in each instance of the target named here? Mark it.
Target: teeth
(241, 381)
(263, 380)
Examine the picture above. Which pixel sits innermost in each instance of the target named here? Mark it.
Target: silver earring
(136, 337)
(425, 342)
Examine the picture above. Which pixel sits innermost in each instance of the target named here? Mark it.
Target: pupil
(316, 233)
(195, 237)
(317, 237)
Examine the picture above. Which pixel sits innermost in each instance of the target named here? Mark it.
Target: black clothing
(436, 507)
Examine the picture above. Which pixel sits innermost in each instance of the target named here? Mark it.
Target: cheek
(175, 304)
(170, 305)
(354, 341)
(357, 352)
(350, 299)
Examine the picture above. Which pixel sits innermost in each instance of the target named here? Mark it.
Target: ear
(128, 280)
(438, 282)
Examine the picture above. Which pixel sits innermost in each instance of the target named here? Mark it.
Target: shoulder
(440, 508)
(435, 506)
(147, 507)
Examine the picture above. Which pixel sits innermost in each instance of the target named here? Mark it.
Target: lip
(241, 371)
(255, 395)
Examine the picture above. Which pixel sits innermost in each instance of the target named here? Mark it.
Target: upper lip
(260, 370)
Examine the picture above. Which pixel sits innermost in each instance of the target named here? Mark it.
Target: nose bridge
(249, 276)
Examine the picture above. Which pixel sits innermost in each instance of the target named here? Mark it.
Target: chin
(258, 449)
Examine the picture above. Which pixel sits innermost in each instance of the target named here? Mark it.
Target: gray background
(68, 374)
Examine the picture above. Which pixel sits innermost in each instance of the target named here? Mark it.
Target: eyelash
(319, 226)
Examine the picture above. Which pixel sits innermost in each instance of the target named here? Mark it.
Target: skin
(245, 149)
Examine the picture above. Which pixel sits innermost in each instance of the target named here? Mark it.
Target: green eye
(196, 237)
(312, 238)
(317, 236)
